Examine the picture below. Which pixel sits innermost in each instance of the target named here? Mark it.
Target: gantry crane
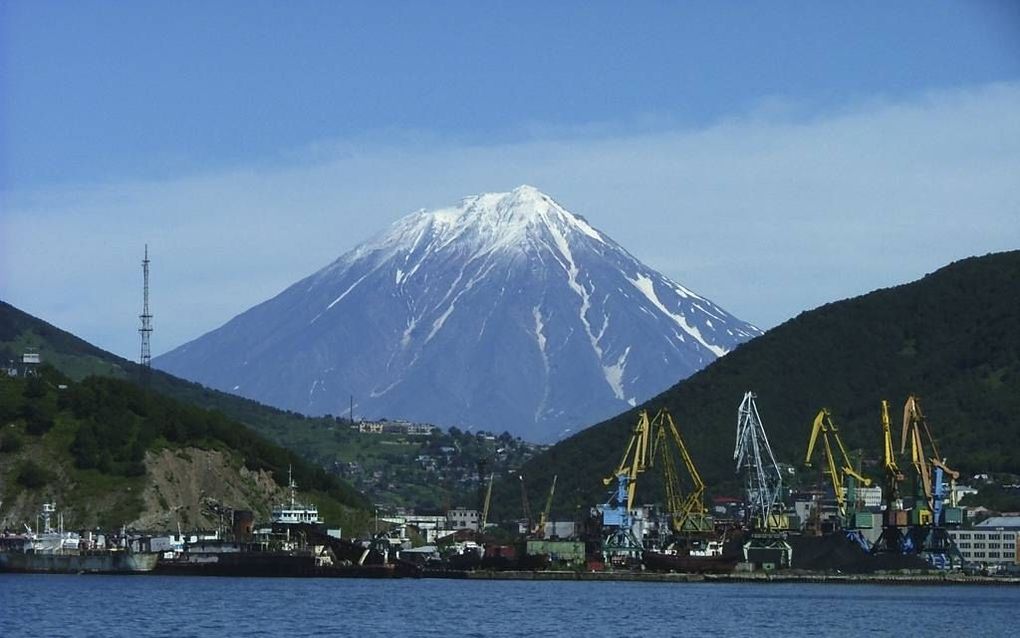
(894, 518)
(763, 483)
(843, 475)
(930, 516)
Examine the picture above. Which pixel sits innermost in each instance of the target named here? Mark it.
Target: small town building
(462, 518)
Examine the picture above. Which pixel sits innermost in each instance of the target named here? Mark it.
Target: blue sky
(772, 156)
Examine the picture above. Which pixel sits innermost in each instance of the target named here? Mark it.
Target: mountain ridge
(505, 311)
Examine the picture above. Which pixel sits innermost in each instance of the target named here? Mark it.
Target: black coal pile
(835, 552)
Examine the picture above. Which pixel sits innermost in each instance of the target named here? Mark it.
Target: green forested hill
(392, 469)
(87, 442)
(952, 338)
(78, 359)
(124, 420)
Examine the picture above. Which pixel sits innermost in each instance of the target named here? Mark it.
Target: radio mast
(146, 330)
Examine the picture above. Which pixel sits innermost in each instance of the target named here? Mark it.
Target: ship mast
(292, 485)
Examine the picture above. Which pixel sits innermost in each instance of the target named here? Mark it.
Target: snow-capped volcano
(504, 312)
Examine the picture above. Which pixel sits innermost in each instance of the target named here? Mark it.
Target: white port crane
(762, 479)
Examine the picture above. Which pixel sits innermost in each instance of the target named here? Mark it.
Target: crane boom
(925, 464)
(823, 425)
(889, 458)
(524, 503)
(687, 512)
(634, 459)
(485, 506)
(543, 518)
(894, 519)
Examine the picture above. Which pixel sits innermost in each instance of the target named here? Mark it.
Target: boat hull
(687, 564)
(78, 563)
(274, 564)
(260, 564)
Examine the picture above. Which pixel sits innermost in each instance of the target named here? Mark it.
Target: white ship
(295, 513)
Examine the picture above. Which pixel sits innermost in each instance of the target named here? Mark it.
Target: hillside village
(403, 464)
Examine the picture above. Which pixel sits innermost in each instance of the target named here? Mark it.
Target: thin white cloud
(768, 215)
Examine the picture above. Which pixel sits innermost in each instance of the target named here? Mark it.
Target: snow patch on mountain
(647, 288)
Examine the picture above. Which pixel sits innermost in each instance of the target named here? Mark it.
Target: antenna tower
(146, 330)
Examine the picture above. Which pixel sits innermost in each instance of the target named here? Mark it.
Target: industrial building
(991, 542)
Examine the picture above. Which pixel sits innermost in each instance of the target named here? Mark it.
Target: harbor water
(55, 605)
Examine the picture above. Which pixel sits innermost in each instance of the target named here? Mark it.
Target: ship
(295, 545)
(707, 558)
(295, 513)
(55, 551)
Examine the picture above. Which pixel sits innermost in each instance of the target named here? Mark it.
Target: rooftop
(1001, 521)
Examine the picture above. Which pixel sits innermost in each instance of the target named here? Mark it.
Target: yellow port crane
(893, 474)
(842, 474)
(658, 440)
(925, 465)
(930, 516)
(525, 505)
(632, 463)
(485, 505)
(687, 512)
(619, 540)
(894, 518)
(543, 517)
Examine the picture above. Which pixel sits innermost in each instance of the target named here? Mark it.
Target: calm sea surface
(44, 606)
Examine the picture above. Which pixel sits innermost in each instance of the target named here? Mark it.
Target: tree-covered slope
(952, 338)
(78, 359)
(88, 443)
(392, 469)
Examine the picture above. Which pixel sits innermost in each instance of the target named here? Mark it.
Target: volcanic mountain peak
(504, 311)
(485, 223)
(522, 209)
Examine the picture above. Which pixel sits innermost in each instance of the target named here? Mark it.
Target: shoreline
(656, 577)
